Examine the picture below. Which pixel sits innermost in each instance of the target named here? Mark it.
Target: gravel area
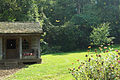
(7, 71)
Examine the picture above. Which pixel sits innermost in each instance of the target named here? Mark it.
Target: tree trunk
(78, 7)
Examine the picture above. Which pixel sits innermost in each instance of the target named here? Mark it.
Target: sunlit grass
(53, 67)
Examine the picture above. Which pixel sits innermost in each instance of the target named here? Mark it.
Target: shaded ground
(7, 71)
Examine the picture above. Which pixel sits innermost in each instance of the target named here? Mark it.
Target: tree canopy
(67, 23)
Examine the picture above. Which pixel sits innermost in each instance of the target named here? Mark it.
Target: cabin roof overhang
(20, 34)
(18, 28)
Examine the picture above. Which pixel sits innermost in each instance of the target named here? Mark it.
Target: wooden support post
(39, 48)
(1, 53)
(20, 46)
(4, 45)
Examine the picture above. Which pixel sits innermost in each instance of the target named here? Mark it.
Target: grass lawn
(53, 67)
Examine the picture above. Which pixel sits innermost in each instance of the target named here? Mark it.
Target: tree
(8, 10)
(28, 11)
(80, 4)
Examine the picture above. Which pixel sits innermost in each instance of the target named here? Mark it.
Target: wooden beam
(20, 47)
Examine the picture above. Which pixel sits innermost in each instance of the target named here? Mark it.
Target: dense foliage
(67, 23)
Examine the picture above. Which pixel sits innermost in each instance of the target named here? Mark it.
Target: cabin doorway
(12, 48)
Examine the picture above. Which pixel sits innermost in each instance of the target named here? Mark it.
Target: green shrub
(46, 49)
(100, 34)
(99, 66)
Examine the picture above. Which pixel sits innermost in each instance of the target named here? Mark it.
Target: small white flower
(91, 67)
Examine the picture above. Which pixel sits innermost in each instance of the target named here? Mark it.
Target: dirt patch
(7, 71)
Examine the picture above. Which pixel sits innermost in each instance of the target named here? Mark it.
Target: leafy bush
(105, 66)
(46, 49)
(101, 34)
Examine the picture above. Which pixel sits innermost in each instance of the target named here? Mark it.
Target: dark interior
(11, 44)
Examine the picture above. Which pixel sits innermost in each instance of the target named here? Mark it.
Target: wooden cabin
(20, 42)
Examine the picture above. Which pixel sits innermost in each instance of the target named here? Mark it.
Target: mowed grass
(53, 67)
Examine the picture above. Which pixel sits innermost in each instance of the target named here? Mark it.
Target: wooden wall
(34, 44)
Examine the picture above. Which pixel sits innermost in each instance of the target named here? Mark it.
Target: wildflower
(116, 50)
(96, 60)
(118, 61)
(72, 73)
(86, 67)
(99, 55)
(86, 55)
(112, 42)
(118, 53)
(105, 47)
(79, 67)
(73, 68)
(89, 60)
(117, 58)
(98, 70)
(106, 50)
(100, 48)
(83, 63)
(108, 44)
(95, 50)
(72, 63)
(101, 45)
(78, 60)
(89, 47)
(96, 55)
(91, 55)
(102, 62)
(111, 65)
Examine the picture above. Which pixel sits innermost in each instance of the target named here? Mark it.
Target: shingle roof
(18, 27)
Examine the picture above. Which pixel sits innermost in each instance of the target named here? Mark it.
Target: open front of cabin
(23, 46)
